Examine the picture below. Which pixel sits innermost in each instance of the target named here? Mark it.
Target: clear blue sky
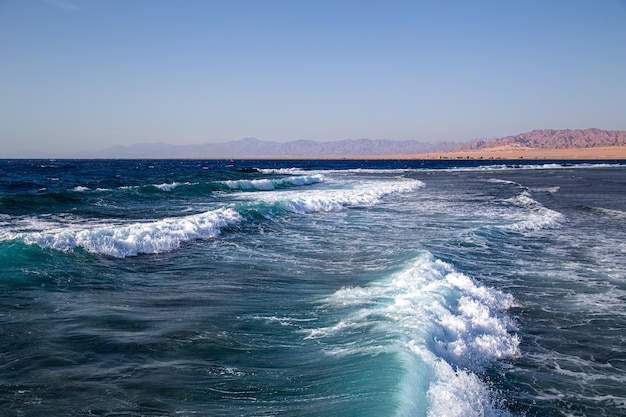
(79, 75)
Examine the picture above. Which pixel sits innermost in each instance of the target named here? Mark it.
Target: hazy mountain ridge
(552, 139)
(256, 148)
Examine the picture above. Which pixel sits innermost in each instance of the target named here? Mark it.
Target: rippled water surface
(305, 288)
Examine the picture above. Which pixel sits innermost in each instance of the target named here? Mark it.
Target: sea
(312, 288)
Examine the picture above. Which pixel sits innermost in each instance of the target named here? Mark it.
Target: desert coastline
(510, 153)
(599, 153)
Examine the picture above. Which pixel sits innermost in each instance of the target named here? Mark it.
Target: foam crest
(549, 190)
(281, 171)
(365, 194)
(169, 186)
(446, 326)
(132, 239)
(501, 181)
(534, 217)
(80, 189)
(457, 393)
(271, 184)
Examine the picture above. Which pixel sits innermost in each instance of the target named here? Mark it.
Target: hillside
(551, 139)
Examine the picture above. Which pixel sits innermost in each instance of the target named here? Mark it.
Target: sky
(84, 75)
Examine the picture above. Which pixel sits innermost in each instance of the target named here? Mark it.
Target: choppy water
(312, 288)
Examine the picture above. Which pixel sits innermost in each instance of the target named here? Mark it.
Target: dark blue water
(305, 288)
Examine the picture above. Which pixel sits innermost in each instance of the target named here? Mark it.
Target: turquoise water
(304, 288)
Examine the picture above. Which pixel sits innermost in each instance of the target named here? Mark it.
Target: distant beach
(595, 153)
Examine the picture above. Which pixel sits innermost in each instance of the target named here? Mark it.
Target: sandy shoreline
(600, 153)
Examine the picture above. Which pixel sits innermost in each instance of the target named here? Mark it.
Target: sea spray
(453, 327)
(363, 194)
(267, 184)
(407, 288)
(132, 239)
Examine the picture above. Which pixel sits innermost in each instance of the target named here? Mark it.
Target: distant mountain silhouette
(250, 148)
(255, 148)
(552, 139)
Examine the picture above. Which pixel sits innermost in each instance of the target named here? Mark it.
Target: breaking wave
(447, 329)
(132, 239)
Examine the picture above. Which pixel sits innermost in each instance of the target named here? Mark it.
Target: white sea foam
(288, 171)
(267, 184)
(169, 186)
(480, 168)
(610, 302)
(550, 190)
(362, 195)
(501, 181)
(80, 188)
(458, 393)
(122, 240)
(447, 327)
(534, 216)
(284, 321)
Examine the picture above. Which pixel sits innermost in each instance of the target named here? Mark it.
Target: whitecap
(288, 171)
(169, 186)
(268, 184)
(362, 195)
(444, 325)
(534, 215)
(80, 188)
(122, 240)
(549, 190)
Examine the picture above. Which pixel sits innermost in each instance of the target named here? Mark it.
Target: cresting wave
(447, 329)
(530, 215)
(273, 183)
(364, 194)
(132, 239)
(534, 216)
(264, 184)
(122, 240)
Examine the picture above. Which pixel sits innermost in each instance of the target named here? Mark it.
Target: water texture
(312, 288)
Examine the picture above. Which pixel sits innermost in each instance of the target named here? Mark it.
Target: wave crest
(337, 199)
(535, 215)
(447, 328)
(132, 239)
(268, 184)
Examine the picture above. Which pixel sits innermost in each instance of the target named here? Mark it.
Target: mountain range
(256, 148)
(551, 139)
(350, 148)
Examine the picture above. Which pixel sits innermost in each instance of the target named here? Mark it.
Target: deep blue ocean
(312, 288)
